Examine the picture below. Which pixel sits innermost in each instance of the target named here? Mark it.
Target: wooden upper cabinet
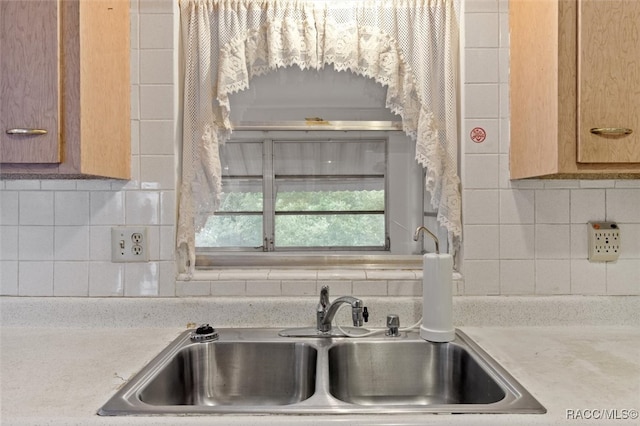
(65, 69)
(29, 82)
(609, 81)
(574, 67)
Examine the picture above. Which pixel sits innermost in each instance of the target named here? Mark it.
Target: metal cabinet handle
(26, 132)
(611, 131)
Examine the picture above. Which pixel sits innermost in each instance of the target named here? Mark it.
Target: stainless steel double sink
(255, 371)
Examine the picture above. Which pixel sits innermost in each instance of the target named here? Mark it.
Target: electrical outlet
(129, 244)
(604, 242)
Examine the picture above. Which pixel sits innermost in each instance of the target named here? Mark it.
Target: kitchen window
(300, 194)
(313, 194)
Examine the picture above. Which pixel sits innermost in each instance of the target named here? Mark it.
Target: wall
(520, 237)
(529, 237)
(56, 233)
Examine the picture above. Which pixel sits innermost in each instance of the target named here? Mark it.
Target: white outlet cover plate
(604, 241)
(126, 248)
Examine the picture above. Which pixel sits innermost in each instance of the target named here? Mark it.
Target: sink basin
(256, 371)
(409, 373)
(235, 373)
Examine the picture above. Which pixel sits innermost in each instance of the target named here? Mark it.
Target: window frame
(207, 258)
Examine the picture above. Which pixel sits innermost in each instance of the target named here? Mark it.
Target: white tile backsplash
(491, 143)
(35, 242)
(479, 6)
(167, 279)
(630, 241)
(107, 207)
(517, 276)
(9, 210)
(153, 171)
(481, 66)
(517, 241)
(156, 31)
(579, 241)
(299, 287)
(36, 208)
(482, 30)
(71, 243)
(228, 288)
(482, 277)
(9, 242)
(517, 206)
(8, 277)
(520, 237)
(482, 171)
(482, 242)
(481, 206)
(623, 205)
(482, 100)
(71, 279)
(553, 241)
(142, 207)
(35, 278)
(157, 137)
(623, 277)
(106, 279)
(587, 205)
(553, 277)
(71, 208)
(141, 279)
(404, 288)
(552, 206)
(155, 6)
(263, 288)
(588, 277)
(370, 288)
(156, 102)
(18, 185)
(156, 66)
(193, 288)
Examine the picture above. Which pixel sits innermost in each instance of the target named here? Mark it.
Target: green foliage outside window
(299, 230)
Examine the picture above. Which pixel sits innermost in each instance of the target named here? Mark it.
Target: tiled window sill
(307, 282)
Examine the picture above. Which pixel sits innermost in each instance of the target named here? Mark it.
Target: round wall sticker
(478, 135)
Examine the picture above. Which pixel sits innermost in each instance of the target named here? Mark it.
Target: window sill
(278, 282)
(320, 261)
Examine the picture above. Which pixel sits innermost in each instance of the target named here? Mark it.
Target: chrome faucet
(326, 311)
(416, 236)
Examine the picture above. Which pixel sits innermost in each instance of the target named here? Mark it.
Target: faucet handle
(393, 325)
(324, 298)
(365, 314)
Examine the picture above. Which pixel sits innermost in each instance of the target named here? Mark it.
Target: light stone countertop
(55, 374)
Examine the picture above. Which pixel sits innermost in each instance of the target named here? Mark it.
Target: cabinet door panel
(29, 82)
(609, 81)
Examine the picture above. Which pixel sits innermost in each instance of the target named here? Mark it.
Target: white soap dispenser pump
(437, 294)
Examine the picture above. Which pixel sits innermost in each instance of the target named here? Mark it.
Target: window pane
(329, 158)
(231, 231)
(241, 195)
(238, 221)
(344, 230)
(325, 195)
(241, 158)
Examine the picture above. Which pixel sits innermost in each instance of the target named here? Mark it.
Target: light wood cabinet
(575, 88)
(65, 69)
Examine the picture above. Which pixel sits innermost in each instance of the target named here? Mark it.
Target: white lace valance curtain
(410, 46)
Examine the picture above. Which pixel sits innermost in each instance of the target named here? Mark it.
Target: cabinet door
(609, 81)
(29, 82)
